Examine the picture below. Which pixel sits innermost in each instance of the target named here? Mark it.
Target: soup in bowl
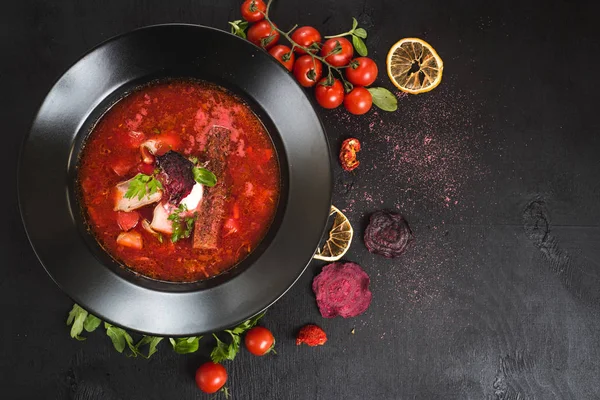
(179, 180)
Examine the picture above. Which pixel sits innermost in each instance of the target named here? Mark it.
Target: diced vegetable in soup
(179, 181)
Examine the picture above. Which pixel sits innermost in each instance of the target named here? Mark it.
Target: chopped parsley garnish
(204, 176)
(142, 185)
(182, 226)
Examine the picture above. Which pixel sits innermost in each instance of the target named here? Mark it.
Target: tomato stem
(308, 51)
(292, 30)
(340, 35)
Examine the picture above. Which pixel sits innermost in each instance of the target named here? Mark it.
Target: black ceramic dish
(48, 171)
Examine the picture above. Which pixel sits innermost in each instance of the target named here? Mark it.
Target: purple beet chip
(388, 234)
(176, 175)
(342, 289)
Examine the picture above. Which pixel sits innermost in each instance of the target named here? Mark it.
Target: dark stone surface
(496, 172)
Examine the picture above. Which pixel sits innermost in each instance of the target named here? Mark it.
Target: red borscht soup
(179, 180)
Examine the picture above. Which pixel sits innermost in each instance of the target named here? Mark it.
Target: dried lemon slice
(414, 66)
(340, 238)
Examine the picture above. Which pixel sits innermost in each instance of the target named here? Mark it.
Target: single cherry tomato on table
(306, 36)
(329, 96)
(284, 55)
(253, 10)
(308, 70)
(362, 71)
(263, 34)
(259, 341)
(342, 56)
(211, 377)
(358, 101)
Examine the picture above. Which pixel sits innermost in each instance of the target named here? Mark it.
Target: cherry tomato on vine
(362, 71)
(342, 57)
(284, 55)
(211, 377)
(263, 33)
(257, 14)
(329, 96)
(259, 341)
(306, 36)
(358, 101)
(308, 70)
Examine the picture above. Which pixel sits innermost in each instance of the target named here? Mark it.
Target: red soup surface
(147, 177)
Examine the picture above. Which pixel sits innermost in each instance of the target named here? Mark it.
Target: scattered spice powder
(424, 161)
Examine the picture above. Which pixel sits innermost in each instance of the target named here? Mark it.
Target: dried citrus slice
(340, 238)
(414, 66)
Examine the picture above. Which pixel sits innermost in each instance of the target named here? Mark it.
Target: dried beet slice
(387, 234)
(342, 289)
(176, 175)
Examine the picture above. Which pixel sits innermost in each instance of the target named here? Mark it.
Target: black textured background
(496, 170)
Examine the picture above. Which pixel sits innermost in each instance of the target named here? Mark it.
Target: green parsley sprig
(227, 351)
(182, 226)
(79, 319)
(142, 185)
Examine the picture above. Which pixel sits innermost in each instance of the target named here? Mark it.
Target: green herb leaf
(119, 337)
(152, 341)
(193, 159)
(91, 323)
(185, 345)
(182, 227)
(239, 27)
(228, 351)
(156, 131)
(224, 351)
(77, 317)
(142, 185)
(153, 345)
(361, 33)
(360, 46)
(248, 324)
(204, 176)
(354, 23)
(383, 98)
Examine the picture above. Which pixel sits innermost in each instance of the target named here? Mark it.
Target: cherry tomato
(329, 96)
(259, 341)
(306, 36)
(358, 101)
(279, 52)
(263, 31)
(211, 377)
(341, 58)
(362, 71)
(307, 70)
(253, 16)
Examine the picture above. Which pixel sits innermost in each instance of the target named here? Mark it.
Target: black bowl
(48, 172)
